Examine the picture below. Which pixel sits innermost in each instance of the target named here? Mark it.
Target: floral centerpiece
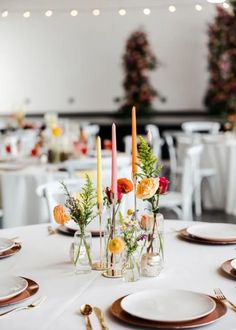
(149, 188)
(80, 209)
(114, 243)
(132, 235)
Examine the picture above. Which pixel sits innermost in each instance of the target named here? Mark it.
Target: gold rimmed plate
(16, 248)
(228, 269)
(70, 232)
(186, 236)
(117, 311)
(31, 289)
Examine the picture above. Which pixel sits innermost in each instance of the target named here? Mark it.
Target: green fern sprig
(147, 161)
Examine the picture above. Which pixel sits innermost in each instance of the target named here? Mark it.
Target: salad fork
(219, 295)
(35, 304)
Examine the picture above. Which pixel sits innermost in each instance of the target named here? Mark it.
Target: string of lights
(97, 12)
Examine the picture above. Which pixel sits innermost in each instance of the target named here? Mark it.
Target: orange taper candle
(134, 142)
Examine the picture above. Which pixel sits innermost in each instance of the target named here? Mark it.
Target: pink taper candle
(114, 164)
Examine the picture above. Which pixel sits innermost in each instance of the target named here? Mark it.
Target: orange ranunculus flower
(56, 131)
(60, 215)
(125, 184)
(116, 245)
(147, 188)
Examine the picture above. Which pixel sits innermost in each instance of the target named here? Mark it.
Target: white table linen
(45, 259)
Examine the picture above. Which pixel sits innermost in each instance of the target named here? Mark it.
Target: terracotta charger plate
(117, 311)
(228, 269)
(16, 248)
(185, 235)
(70, 232)
(30, 290)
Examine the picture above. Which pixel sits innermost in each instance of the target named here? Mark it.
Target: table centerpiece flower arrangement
(80, 209)
(114, 242)
(132, 234)
(149, 188)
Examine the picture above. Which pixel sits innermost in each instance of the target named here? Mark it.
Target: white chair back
(201, 126)
(91, 131)
(157, 141)
(189, 179)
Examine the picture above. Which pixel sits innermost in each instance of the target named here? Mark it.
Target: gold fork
(35, 304)
(219, 295)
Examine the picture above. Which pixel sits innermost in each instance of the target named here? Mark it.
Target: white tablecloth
(219, 153)
(46, 260)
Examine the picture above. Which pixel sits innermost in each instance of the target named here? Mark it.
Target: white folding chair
(201, 126)
(176, 169)
(181, 202)
(157, 141)
(91, 131)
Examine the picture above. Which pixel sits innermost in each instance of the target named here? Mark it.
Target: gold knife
(101, 318)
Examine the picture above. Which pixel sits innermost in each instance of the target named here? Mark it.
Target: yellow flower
(56, 131)
(147, 188)
(116, 245)
(129, 212)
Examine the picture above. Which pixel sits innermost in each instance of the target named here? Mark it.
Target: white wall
(49, 60)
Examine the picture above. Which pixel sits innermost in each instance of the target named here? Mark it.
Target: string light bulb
(48, 13)
(198, 7)
(5, 13)
(74, 12)
(147, 11)
(122, 12)
(26, 14)
(96, 12)
(172, 9)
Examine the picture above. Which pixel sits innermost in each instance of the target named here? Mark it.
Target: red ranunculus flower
(163, 184)
(109, 194)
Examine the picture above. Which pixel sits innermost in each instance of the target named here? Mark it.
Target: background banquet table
(19, 180)
(219, 153)
(45, 259)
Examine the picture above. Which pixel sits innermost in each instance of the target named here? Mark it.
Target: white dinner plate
(168, 305)
(5, 244)
(233, 263)
(11, 286)
(214, 231)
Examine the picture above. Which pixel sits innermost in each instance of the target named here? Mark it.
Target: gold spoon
(86, 310)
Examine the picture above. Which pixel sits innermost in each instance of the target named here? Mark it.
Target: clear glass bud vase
(82, 252)
(152, 260)
(131, 268)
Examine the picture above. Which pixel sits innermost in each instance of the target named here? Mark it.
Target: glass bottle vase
(82, 252)
(152, 260)
(131, 268)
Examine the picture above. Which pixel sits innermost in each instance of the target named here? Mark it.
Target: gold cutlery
(86, 310)
(219, 295)
(35, 304)
(100, 315)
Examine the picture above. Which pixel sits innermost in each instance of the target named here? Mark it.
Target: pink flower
(163, 184)
(109, 194)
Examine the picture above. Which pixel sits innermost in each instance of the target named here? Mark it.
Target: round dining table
(45, 259)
